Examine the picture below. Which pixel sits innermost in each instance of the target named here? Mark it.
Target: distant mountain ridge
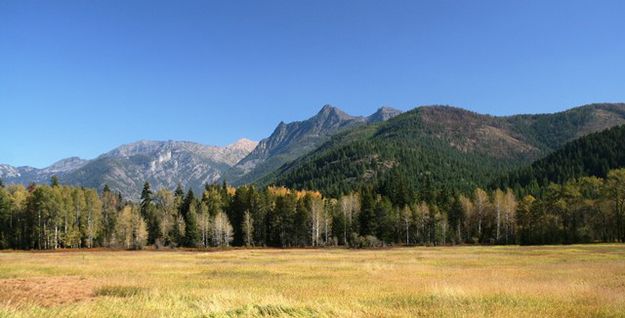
(162, 163)
(27, 174)
(165, 164)
(293, 140)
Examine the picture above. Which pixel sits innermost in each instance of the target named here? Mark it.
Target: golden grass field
(549, 281)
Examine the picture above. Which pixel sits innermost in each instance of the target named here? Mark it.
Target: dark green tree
(387, 221)
(192, 231)
(301, 222)
(189, 214)
(456, 219)
(148, 213)
(54, 181)
(367, 217)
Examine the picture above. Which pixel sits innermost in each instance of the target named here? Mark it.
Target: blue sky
(82, 77)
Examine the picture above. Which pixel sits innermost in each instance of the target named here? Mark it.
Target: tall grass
(551, 281)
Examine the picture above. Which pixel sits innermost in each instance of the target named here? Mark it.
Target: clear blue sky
(81, 77)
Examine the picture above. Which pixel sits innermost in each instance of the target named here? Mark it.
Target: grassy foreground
(551, 281)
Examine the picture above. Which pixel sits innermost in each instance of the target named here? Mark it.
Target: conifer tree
(149, 215)
(456, 219)
(367, 217)
(192, 231)
(54, 181)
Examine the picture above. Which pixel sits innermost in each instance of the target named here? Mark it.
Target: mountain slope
(293, 140)
(441, 146)
(25, 175)
(591, 155)
(162, 163)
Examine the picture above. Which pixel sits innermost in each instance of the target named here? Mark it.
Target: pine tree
(54, 181)
(178, 231)
(367, 217)
(385, 220)
(146, 197)
(179, 192)
(192, 231)
(149, 215)
(239, 204)
(525, 223)
(187, 202)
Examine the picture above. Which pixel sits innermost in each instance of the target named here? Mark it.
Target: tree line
(588, 209)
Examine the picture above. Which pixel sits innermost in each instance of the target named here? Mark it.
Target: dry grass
(552, 281)
(45, 291)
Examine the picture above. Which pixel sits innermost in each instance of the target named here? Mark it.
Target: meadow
(466, 281)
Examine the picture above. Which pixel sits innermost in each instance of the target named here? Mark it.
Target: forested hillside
(592, 155)
(439, 149)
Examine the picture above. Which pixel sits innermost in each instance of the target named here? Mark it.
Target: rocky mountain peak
(330, 112)
(8, 171)
(243, 144)
(383, 113)
(67, 164)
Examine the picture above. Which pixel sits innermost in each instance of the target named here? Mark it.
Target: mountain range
(164, 164)
(333, 151)
(440, 147)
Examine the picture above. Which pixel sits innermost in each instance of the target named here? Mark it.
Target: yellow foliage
(282, 191)
(231, 190)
